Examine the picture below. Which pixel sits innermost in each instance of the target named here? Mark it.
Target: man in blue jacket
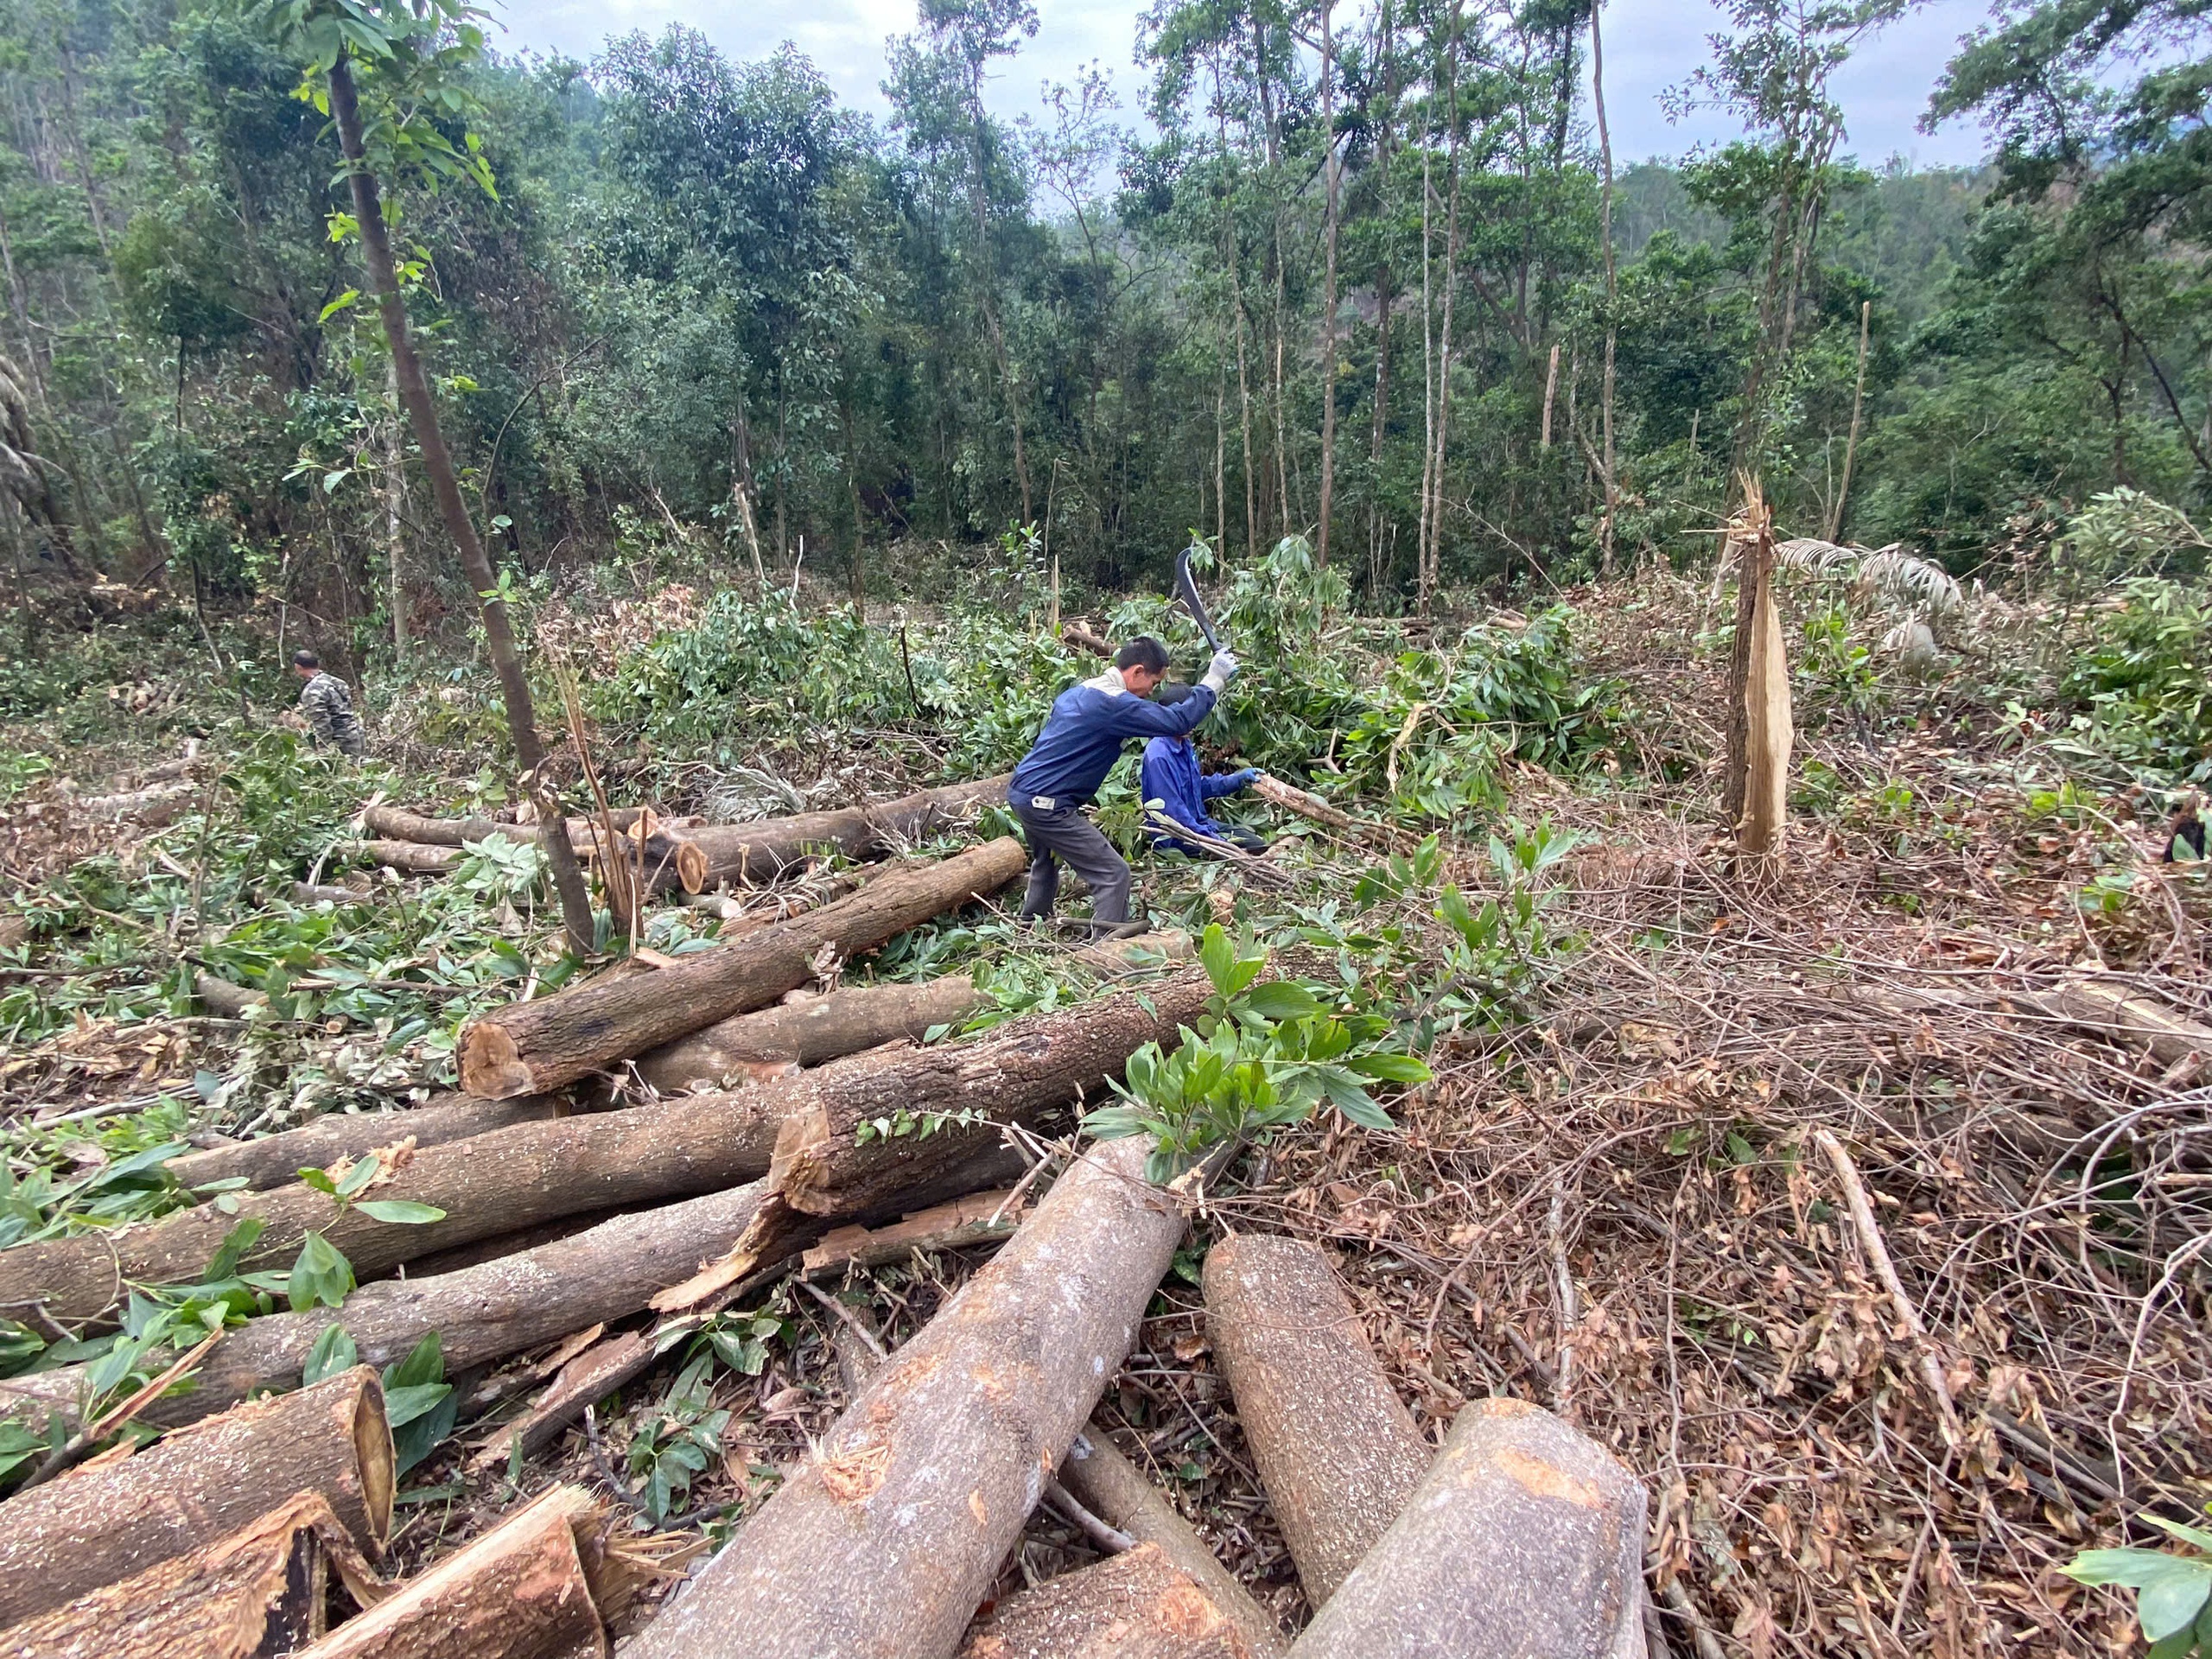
(1175, 793)
(1061, 773)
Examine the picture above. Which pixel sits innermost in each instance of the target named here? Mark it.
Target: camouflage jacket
(329, 710)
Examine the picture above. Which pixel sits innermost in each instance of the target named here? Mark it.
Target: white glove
(1220, 671)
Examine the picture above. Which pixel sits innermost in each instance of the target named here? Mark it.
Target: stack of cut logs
(799, 1149)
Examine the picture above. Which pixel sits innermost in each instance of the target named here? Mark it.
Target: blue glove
(1245, 778)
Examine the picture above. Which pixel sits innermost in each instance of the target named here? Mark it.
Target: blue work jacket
(1171, 777)
(1083, 735)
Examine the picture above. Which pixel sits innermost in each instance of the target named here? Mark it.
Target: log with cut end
(1336, 1448)
(519, 1591)
(260, 1590)
(532, 1047)
(481, 1313)
(806, 1033)
(1115, 1490)
(109, 1520)
(749, 854)
(884, 1542)
(1135, 1605)
(508, 1179)
(277, 1160)
(410, 856)
(1526, 1537)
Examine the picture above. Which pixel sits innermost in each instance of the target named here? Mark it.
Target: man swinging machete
(1082, 740)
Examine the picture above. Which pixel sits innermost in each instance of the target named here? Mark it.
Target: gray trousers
(1066, 833)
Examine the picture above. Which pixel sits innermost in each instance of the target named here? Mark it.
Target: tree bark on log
(224, 1000)
(1115, 1490)
(481, 1313)
(411, 855)
(258, 1591)
(532, 1047)
(1305, 805)
(519, 1591)
(67, 1537)
(806, 1033)
(398, 824)
(985, 1218)
(748, 854)
(1135, 1605)
(834, 1159)
(277, 1160)
(1335, 1447)
(882, 1544)
(1526, 1537)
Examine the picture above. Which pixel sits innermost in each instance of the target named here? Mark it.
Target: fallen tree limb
(1526, 1537)
(158, 804)
(924, 1482)
(854, 1139)
(260, 1590)
(752, 1045)
(1084, 639)
(309, 893)
(1115, 1490)
(60, 1541)
(410, 856)
(986, 1219)
(398, 824)
(225, 1001)
(1336, 1448)
(747, 854)
(532, 1047)
(1135, 1605)
(519, 1591)
(1305, 805)
(277, 1160)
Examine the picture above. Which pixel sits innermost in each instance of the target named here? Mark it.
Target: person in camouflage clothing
(328, 707)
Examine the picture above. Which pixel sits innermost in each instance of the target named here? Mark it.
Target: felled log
(276, 1159)
(410, 855)
(885, 1539)
(109, 1520)
(1135, 1605)
(806, 1033)
(1336, 1448)
(854, 1137)
(1084, 639)
(308, 893)
(1305, 805)
(223, 999)
(158, 804)
(985, 1218)
(398, 824)
(1115, 1490)
(1526, 1537)
(2139, 1022)
(519, 1591)
(260, 1590)
(480, 1314)
(749, 854)
(532, 1047)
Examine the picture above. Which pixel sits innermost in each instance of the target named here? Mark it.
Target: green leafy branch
(2173, 1593)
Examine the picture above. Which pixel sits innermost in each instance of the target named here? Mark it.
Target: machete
(1187, 591)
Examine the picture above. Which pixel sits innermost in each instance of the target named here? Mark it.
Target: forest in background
(1366, 274)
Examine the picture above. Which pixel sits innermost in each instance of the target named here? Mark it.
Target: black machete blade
(1187, 591)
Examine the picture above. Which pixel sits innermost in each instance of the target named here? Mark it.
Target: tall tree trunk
(1328, 291)
(1232, 255)
(422, 414)
(1605, 395)
(1834, 527)
(987, 280)
(395, 510)
(1383, 301)
(1432, 556)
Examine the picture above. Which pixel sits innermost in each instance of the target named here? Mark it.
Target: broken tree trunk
(1755, 790)
(410, 855)
(1115, 1490)
(481, 1313)
(1135, 1605)
(1527, 1537)
(109, 1520)
(1336, 1448)
(753, 1046)
(985, 1218)
(924, 1482)
(748, 854)
(854, 1137)
(519, 1591)
(260, 1590)
(532, 1047)
(277, 1160)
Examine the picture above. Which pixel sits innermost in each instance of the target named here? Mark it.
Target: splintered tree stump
(277, 1160)
(531, 1047)
(748, 854)
(481, 1313)
(1336, 1448)
(808, 1032)
(1115, 1490)
(1135, 1605)
(1526, 1537)
(519, 1591)
(261, 1591)
(882, 1544)
(110, 1520)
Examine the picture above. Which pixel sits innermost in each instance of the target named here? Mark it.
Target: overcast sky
(1649, 45)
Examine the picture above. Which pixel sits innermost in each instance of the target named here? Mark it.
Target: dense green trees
(707, 312)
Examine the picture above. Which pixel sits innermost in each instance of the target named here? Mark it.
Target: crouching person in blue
(1062, 772)
(1176, 792)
